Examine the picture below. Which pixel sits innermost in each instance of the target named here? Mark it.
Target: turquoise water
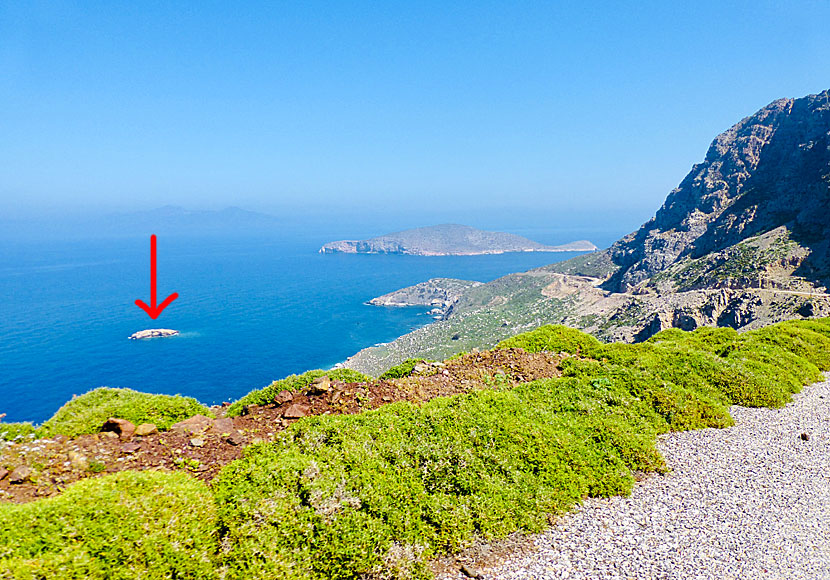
(250, 311)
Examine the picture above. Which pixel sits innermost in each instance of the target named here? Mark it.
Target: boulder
(283, 397)
(21, 474)
(296, 411)
(196, 424)
(223, 426)
(320, 385)
(235, 438)
(122, 427)
(130, 447)
(146, 429)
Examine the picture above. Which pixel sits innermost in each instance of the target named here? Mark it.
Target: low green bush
(88, 412)
(266, 395)
(380, 492)
(11, 431)
(122, 526)
(679, 407)
(403, 369)
(705, 338)
(554, 338)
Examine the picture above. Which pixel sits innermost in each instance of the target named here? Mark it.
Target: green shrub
(265, 395)
(819, 325)
(382, 491)
(795, 338)
(403, 369)
(713, 340)
(122, 526)
(553, 338)
(88, 412)
(679, 407)
(11, 431)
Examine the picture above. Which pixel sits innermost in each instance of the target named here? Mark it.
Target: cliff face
(770, 170)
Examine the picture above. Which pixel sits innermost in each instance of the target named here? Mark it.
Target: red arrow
(154, 310)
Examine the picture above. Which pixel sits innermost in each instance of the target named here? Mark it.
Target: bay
(251, 310)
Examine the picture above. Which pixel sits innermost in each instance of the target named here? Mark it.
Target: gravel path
(752, 501)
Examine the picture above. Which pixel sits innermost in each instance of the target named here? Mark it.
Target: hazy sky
(541, 107)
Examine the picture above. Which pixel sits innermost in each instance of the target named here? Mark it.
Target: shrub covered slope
(379, 493)
(88, 412)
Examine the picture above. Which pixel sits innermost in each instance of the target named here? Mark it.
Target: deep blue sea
(250, 310)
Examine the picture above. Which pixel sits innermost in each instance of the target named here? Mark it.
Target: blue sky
(551, 109)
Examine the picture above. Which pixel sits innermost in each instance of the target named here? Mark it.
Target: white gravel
(751, 501)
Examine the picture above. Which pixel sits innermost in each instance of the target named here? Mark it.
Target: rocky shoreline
(438, 293)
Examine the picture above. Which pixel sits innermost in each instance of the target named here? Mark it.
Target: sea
(251, 309)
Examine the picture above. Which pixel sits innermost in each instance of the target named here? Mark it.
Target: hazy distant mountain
(172, 219)
(167, 220)
(447, 240)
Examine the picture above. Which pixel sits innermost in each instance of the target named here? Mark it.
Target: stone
(130, 447)
(296, 411)
(21, 474)
(122, 427)
(420, 368)
(197, 442)
(146, 429)
(78, 460)
(320, 385)
(235, 438)
(109, 435)
(470, 571)
(805, 437)
(153, 333)
(223, 426)
(3, 473)
(283, 397)
(192, 426)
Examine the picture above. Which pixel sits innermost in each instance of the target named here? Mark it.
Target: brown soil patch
(60, 461)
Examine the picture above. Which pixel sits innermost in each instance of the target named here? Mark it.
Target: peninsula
(440, 293)
(449, 240)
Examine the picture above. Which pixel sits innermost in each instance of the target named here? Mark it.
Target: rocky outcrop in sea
(153, 333)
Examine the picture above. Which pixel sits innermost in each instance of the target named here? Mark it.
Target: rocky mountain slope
(743, 241)
(447, 240)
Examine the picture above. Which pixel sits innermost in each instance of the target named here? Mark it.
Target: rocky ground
(751, 501)
(30, 469)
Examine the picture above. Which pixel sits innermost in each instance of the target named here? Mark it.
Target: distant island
(449, 240)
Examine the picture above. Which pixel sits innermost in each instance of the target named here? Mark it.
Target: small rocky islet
(153, 333)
